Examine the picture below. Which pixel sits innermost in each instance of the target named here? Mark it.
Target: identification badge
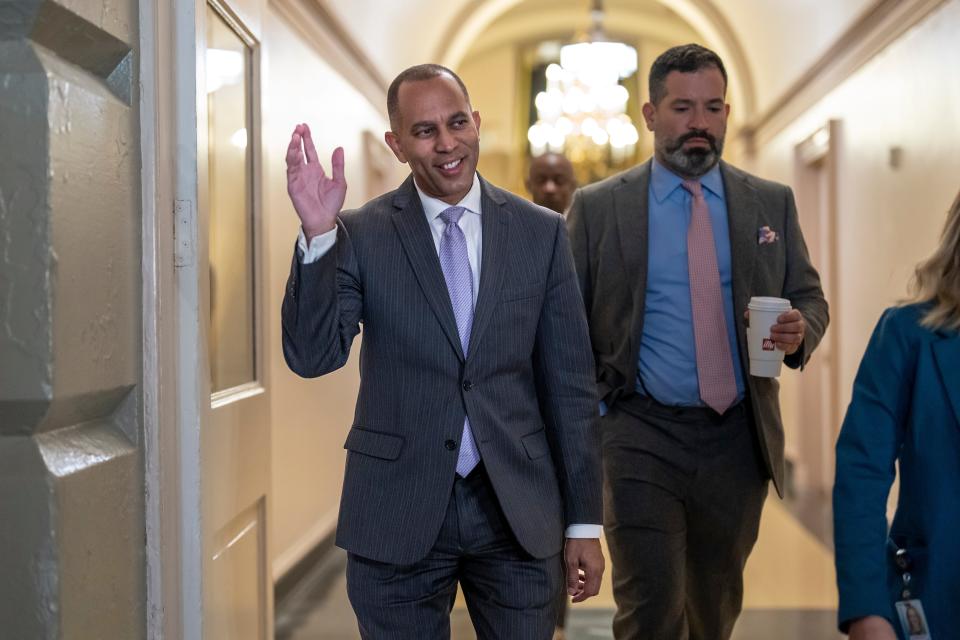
(912, 620)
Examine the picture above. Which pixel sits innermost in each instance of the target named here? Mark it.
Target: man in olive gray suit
(473, 454)
(668, 255)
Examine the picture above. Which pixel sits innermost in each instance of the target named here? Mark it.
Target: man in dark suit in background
(668, 255)
(473, 452)
(551, 181)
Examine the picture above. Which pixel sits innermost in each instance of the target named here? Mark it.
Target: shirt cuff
(318, 247)
(603, 407)
(584, 531)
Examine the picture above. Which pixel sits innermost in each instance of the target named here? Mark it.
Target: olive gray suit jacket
(608, 224)
(526, 383)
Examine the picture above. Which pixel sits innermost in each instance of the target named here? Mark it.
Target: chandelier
(584, 103)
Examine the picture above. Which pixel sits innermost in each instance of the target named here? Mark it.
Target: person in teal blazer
(905, 409)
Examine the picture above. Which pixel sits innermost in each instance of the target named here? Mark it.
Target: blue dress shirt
(667, 367)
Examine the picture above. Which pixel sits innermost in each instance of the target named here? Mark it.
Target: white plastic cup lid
(761, 303)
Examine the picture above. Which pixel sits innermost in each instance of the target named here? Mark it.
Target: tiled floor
(789, 593)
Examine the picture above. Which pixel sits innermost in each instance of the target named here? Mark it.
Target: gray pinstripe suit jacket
(608, 232)
(527, 383)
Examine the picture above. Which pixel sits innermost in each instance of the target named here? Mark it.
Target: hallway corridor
(164, 473)
(789, 591)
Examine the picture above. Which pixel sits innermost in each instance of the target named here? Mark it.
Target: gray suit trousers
(683, 492)
(509, 593)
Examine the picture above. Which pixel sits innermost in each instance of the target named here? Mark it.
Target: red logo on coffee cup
(768, 344)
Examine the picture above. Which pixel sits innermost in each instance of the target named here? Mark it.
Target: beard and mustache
(693, 162)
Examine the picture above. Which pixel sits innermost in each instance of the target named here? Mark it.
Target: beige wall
(908, 97)
(492, 82)
(784, 38)
(397, 34)
(310, 418)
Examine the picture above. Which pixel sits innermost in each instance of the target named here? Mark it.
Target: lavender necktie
(718, 386)
(459, 278)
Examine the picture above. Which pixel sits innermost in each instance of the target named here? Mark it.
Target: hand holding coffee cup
(788, 332)
(775, 330)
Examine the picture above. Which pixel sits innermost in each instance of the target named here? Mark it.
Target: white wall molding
(321, 529)
(322, 30)
(884, 22)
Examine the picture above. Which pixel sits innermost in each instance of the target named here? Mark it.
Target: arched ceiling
(527, 22)
(767, 44)
(666, 22)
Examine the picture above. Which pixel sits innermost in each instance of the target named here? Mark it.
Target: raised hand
(316, 196)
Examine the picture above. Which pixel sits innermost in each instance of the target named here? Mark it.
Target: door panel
(71, 472)
(235, 442)
(238, 607)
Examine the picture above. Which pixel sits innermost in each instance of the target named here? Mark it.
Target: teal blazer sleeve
(867, 449)
(905, 410)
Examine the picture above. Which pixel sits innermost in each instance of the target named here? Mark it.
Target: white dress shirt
(471, 227)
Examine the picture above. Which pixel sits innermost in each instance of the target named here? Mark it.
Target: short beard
(690, 163)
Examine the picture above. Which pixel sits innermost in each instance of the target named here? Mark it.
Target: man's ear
(476, 119)
(648, 115)
(394, 143)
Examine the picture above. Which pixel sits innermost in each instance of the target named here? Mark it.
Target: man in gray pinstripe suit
(473, 452)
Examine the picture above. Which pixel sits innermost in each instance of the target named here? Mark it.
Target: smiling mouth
(450, 166)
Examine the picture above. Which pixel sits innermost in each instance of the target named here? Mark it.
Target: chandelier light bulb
(557, 141)
(564, 125)
(554, 72)
(588, 127)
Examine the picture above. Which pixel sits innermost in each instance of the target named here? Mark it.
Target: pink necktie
(718, 386)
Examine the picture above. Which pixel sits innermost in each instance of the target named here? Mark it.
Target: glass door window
(232, 331)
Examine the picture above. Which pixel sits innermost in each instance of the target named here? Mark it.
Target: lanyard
(903, 561)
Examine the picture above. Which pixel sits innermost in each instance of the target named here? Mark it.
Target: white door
(234, 426)
(819, 419)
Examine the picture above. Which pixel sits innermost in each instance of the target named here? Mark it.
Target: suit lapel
(947, 354)
(417, 240)
(495, 228)
(743, 207)
(631, 208)
(631, 200)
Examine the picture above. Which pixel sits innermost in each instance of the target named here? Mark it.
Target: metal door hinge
(184, 233)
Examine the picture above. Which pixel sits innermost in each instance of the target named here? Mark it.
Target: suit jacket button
(450, 445)
(467, 385)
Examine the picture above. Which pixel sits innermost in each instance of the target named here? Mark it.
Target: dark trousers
(509, 594)
(563, 604)
(683, 492)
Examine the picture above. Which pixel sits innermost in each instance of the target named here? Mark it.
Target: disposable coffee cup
(765, 358)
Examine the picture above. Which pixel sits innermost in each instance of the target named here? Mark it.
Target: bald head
(417, 73)
(551, 182)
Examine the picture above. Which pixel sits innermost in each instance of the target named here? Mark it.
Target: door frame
(171, 349)
(816, 166)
